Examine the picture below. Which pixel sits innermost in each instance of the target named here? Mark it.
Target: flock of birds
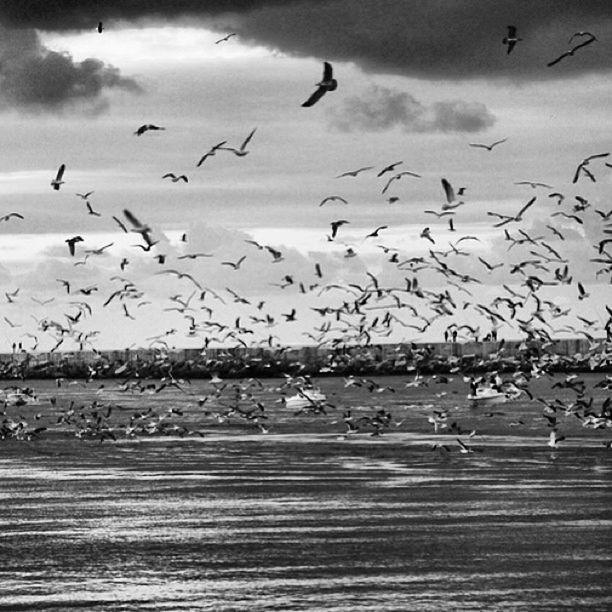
(356, 314)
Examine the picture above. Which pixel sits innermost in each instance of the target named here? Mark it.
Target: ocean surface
(221, 516)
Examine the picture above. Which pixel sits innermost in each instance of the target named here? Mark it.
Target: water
(298, 519)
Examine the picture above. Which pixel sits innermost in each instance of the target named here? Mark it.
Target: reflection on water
(303, 521)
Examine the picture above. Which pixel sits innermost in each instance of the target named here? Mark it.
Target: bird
(533, 184)
(194, 255)
(327, 83)
(374, 234)
(573, 49)
(225, 38)
(84, 196)
(333, 198)
(146, 127)
(180, 275)
(389, 168)
(91, 211)
(355, 172)
(448, 191)
(100, 27)
(511, 39)
(486, 146)
(211, 152)
(57, 181)
(71, 242)
(584, 163)
(335, 225)
(235, 265)
(175, 178)
(139, 228)
(426, 233)
(12, 215)
(399, 176)
(241, 152)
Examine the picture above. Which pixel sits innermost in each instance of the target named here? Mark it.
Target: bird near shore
(327, 83)
(57, 182)
(148, 127)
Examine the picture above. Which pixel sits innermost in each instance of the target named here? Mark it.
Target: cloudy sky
(417, 82)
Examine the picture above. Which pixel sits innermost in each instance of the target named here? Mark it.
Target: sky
(418, 82)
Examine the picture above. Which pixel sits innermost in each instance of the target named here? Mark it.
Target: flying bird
(511, 39)
(355, 172)
(91, 211)
(389, 168)
(71, 242)
(533, 184)
(374, 234)
(57, 181)
(12, 215)
(333, 199)
(584, 163)
(335, 225)
(235, 265)
(398, 176)
(100, 27)
(486, 146)
(174, 178)
(210, 153)
(139, 228)
(573, 49)
(241, 152)
(145, 128)
(84, 196)
(225, 38)
(327, 83)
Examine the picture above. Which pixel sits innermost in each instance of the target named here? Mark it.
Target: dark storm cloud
(35, 79)
(379, 108)
(434, 39)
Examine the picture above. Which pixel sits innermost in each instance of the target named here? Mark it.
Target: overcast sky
(417, 82)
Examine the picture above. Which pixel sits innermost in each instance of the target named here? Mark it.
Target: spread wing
(60, 172)
(315, 97)
(247, 139)
(327, 71)
(448, 190)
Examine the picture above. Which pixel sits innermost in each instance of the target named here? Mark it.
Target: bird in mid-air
(146, 127)
(225, 38)
(71, 242)
(10, 216)
(241, 152)
(354, 172)
(486, 146)
(175, 178)
(573, 50)
(333, 198)
(335, 225)
(57, 181)
(327, 83)
(100, 27)
(511, 39)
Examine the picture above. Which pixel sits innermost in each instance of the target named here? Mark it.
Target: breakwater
(576, 353)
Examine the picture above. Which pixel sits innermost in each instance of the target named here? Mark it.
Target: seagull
(355, 172)
(71, 242)
(389, 168)
(225, 38)
(241, 152)
(210, 153)
(57, 181)
(180, 275)
(533, 184)
(91, 211)
(145, 128)
(399, 176)
(573, 49)
(327, 83)
(11, 216)
(584, 163)
(508, 219)
(426, 233)
(235, 265)
(335, 225)
(139, 228)
(486, 146)
(449, 191)
(84, 196)
(374, 234)
(333, 199)
(511, 38)
(175, 178)
(194, 255)
(100, 27)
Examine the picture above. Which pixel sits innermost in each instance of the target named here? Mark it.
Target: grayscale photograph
(305, 305)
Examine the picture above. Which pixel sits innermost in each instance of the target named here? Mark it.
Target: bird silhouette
(327, 83)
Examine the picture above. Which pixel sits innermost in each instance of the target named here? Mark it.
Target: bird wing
(511, 31)
(327, 71)
(558, 59)
(498, 142)
(131, 218)
(448, 190)
(530, 203)
(247, 140)
(480, 146)
(315, 97)
(60, 172)
(583, 44)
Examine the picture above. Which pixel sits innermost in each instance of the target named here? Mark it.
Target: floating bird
(225, 38)
(327, 83)
(486, 146)
(175, 178)
(241, 152)
(57, 181)
(145, 128)
(510, 40)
